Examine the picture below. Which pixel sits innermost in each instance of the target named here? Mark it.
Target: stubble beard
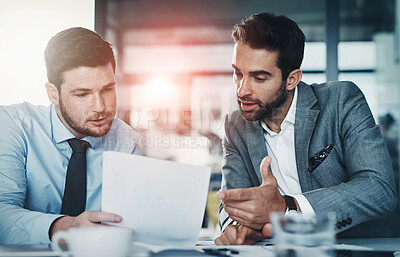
(84, 130)
(268, 111)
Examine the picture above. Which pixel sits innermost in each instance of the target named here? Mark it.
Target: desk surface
(377, 244)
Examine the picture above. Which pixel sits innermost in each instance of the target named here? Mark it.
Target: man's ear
(52, 93)
(293, 79)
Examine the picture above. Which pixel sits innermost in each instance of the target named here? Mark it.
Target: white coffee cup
(101, 241)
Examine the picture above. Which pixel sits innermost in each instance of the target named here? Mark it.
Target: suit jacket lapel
(256, 146)
(306, 117)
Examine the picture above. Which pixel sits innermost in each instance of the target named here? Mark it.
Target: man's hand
(251, 207)
(86, 219)
(239, 235)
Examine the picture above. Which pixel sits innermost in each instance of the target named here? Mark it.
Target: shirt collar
(61, 133)
(290, 116)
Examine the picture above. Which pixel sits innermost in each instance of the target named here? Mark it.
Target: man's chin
(99, 132)
(250, 116)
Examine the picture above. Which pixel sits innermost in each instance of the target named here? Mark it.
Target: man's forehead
(89, 77)
(251, 59)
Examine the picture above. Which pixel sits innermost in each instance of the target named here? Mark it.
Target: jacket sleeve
(369, 194)
(17, 225)
(234, 173)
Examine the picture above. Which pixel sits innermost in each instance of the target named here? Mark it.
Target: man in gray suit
(294, 147)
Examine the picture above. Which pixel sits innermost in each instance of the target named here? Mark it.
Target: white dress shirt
(281, 149)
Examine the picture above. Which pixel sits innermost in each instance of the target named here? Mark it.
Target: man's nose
(98, 104)
(243, 88)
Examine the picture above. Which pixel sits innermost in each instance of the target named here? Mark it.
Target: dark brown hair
(273, 33)
(73, 48)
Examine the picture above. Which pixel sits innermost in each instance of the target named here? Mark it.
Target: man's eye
(260, 79)
(109, 89)
(81, 95)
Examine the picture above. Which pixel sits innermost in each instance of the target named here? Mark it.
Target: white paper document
(162, 201)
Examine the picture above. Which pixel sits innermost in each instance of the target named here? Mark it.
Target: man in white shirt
(296, 147)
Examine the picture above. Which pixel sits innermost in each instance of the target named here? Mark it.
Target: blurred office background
(174, 61)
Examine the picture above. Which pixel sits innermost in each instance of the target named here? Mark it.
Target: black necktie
(74, 200)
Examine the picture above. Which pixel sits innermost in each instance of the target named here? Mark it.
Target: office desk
(377, 244)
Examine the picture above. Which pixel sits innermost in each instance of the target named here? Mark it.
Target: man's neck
(274, 123)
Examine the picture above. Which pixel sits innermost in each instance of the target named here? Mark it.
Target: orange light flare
(157, 100)
(161, 93)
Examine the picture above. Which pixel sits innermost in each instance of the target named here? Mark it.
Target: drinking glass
(300, 236)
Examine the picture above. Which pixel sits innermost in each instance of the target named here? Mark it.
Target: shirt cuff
(227, 223)
(40, 231)
(305, 206)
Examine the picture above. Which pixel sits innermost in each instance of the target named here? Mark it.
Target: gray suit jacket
(355, 180)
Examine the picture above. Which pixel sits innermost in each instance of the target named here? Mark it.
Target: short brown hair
(73, 48)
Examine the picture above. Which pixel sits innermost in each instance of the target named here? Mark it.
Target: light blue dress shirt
(34, 157)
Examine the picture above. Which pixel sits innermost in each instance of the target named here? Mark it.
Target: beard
(85, 130)
(265, 111)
